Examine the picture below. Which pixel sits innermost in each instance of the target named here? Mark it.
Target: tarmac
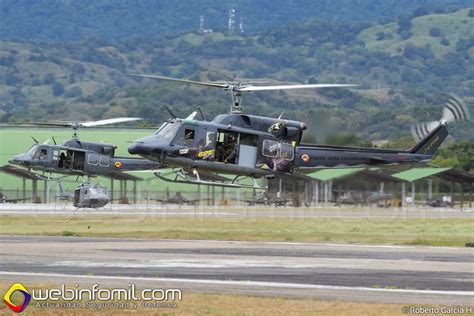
(28, 209)
(391, 274)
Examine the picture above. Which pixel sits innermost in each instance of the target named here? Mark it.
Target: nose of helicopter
(136, 148)
(20, 159)
(141, 147)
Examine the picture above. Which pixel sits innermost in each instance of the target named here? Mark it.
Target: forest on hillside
(72, 21)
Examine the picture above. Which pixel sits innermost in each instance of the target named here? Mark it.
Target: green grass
(430, 232)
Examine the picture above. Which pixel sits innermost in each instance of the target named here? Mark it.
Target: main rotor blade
(110, 121)
(295, 86)
(207, 84)
(49, 124)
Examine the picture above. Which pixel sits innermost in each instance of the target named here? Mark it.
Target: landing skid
(47, 178)
(61, 178)
(182, 177)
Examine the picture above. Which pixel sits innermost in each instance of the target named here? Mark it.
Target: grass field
(221, 304)
(432, 232)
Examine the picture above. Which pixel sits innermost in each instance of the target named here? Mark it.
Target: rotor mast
(236, 102)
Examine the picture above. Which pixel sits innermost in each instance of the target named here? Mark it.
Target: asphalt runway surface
(395, 274)
(29, 209)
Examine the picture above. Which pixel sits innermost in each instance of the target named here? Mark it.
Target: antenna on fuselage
(200, 112)
(170, 112)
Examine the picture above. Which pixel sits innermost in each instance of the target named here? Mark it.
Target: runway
(395, 274)
(29, 209)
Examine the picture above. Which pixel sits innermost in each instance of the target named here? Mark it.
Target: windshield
(95, 191)
(168, 130)
(32, 150)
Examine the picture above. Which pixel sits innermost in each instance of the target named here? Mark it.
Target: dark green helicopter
(78, 157)
(255, 146)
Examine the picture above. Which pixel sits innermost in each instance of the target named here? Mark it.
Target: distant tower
(201, 24)
(241, 25)
(231, 21)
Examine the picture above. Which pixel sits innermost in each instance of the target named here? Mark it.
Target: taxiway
(395, 274)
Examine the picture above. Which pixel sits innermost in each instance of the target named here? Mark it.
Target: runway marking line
(241, 283)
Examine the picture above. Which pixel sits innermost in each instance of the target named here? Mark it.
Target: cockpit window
(168, 130)
(41, 153)
(32, 150)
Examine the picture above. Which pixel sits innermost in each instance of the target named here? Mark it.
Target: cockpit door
(187, 136)
(207, 144)
(43, 155)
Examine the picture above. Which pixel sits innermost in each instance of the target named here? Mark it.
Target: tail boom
(323, 156)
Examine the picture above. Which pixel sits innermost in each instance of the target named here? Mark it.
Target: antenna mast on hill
(231, 21)
(241, 26)
(201, 24)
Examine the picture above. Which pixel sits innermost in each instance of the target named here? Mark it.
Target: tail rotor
(455, 110)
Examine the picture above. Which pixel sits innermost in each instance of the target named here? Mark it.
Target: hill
(67, 21)
(441, 32)
(404, 74)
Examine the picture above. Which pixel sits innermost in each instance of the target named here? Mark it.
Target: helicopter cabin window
(270, 148)
(286, 151)
(104, 161)
(275, 149)
(92, 159)
(186, 136)
(55, 155)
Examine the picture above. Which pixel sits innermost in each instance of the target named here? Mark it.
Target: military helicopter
(89, 195)
(86, 195)
(77, 157)
(256, 146)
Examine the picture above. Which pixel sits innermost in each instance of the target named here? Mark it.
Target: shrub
(444, 42)
(49, 79)
(78, 68)
(73, 92)
(435, 32)
(380, 36)
(58, 89)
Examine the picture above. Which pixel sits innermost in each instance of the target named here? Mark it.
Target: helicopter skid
(197, 181)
